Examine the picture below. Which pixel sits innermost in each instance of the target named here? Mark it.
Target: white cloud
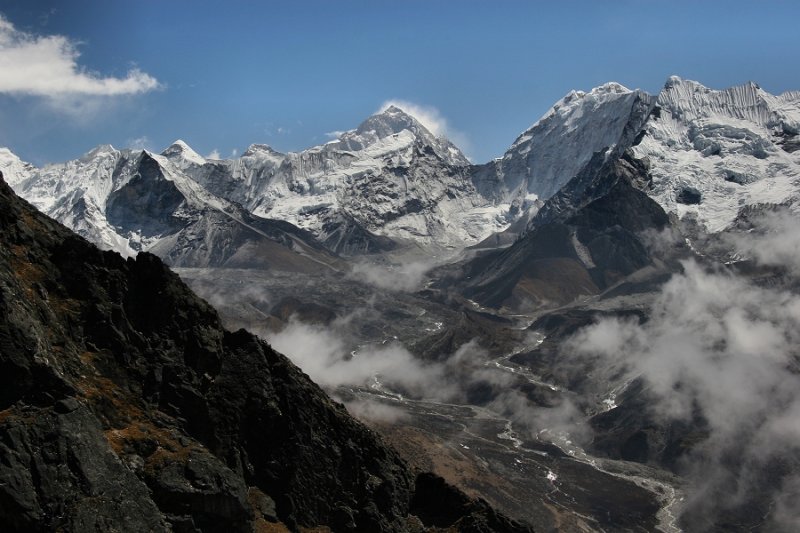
(406, 278)
(214, 154)
(323, 353)
(139, 143)
(47, 66)
(774, 241)
(723, 346)
(334, 134)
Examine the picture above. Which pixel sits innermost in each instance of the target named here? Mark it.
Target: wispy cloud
(407, 277)
(720, 343)
(139, 143)
(214, 154)
(428, 116)
(432, 119)
(334, 134)
(47, 66)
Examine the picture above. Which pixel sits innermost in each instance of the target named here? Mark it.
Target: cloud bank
(47, 66)
(728, 347)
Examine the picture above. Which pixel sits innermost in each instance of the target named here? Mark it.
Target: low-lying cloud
(407, 277)
(719, 343)
(328, 355)
(774, 241)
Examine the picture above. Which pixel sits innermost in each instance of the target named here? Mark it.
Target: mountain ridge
(390, 183)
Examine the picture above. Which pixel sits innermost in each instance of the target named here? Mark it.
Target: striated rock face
(125, 406)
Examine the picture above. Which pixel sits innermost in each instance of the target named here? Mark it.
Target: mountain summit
(392, 122)
(182, 154)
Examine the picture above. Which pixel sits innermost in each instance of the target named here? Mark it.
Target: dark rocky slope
(585, 239)
(125, 406)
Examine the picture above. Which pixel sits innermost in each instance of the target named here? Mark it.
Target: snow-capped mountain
(14, 168)
(388, 182)
(552, 151)
(388, 178)
(714, 152)
(692, 152)
(710, 152)
(392, 182)
(131, 201)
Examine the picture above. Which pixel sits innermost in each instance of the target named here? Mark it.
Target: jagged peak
(180, 149)
(676, 83)
(748, 101)
(259, 148)
(7, 155)
(674, 80)
(98, 150)
(389, 121)
(610, 87)
(405, 115)
(392, 120)
(393, 109)
(575, 100)
(14, 168)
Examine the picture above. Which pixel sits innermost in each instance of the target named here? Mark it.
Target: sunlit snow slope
(715, 152)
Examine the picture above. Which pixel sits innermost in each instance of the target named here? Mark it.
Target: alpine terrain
(596, 331)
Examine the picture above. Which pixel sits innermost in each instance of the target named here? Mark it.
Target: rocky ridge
(126, 406)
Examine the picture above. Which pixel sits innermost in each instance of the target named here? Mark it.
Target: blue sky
(223, 75)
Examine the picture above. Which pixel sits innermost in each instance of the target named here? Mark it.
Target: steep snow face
(75, 193)
(714, 152)
(392, 176)
(14, 169)
(389, 178)
(79, 194)
(711, 153)
(552, 151)
(92, 176)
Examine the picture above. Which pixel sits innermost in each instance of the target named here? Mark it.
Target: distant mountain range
(391, 183)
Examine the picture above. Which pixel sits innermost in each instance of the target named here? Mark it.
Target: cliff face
(125, 406)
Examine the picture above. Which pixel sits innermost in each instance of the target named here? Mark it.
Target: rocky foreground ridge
(125, 406)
